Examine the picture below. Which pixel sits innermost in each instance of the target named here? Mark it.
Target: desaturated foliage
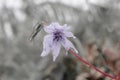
(96, 24)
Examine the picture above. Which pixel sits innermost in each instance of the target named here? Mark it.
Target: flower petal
(66, 27)
(69, 34)
(67, 45)
(56, 49)
(44, 53)
(52, 27)
(66, 53)
(49, 29)
(47, 43)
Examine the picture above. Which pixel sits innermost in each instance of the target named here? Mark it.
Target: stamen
(57, 36)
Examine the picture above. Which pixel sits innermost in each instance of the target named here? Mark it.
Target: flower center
(57, 36)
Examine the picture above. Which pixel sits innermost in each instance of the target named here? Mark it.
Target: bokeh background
(96, 23)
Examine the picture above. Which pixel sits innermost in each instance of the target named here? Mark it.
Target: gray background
(90, 20)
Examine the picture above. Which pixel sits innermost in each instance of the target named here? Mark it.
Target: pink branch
(87, 63)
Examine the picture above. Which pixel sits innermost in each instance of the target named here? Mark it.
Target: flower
(57, 37)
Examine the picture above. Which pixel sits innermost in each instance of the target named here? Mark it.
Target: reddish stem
(87, 63)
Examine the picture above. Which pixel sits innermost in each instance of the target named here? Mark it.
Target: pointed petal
(56, 49)
(66, 53)
(69, 34)
(47, 43)
(52, 27)
(49, 29)
(66, 27)
(44, 53)
(67, 45)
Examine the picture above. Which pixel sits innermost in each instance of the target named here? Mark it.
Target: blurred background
(96, 23)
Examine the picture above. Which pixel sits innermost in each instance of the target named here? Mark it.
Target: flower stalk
(90, 65)
(57, 37)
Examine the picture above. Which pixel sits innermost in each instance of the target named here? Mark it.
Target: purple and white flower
(57, 37)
